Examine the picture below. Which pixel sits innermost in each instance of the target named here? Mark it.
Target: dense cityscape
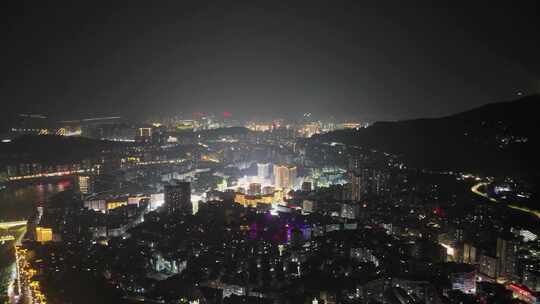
(269, 152)
(213, 210)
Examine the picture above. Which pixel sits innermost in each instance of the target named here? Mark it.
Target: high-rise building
(86, 184)
(178, 198)
(356, 160)
(356, 187)
(263, 170)
(469, 254)
(284, 176)
(144, 135)
(145, 132)
(156, 200)
(487, 265)
(507, 257)
(367, 182)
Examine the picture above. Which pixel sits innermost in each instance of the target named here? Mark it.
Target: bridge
(50, 174)
(7, 225)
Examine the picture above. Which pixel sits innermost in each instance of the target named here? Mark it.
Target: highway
(7, 225)
(476, 190)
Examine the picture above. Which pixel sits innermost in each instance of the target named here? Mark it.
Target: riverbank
(18, 202)
(7, 262)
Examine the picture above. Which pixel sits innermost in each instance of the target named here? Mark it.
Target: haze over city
(267, 152)
(372, 61)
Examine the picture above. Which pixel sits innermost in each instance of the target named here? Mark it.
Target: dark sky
(371, 60)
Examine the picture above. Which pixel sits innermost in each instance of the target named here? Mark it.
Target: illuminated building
(464, 281)
(240, 198)
(113, 204)
(178, 198)
(222, 186)
(528, 236)
(144, 135)
(229, 290)
(310, 129)
(136, 200)
(96, 204)
(284, 176)
(356, 187)
(254, 189)
(69, 131)
(506, 257)
(469, 254)
(253, 126)
(145, 132)
(278, 195)
(210, 158)
(488, 265)
(367, 181)
(156, 200)
(85, 184)
(44, 234)
(186, 124)
(253, 200)
(351, 125)
(263, 170)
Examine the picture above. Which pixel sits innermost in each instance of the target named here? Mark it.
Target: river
(18, 202)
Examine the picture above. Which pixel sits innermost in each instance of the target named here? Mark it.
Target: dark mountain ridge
(499, 138)
(52, 149)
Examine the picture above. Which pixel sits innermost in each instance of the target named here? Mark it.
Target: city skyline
(382, 62)
(268, 152)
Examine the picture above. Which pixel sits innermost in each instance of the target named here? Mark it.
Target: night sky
(375, 61)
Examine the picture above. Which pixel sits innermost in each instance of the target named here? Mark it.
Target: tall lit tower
(284, 176)
(356, 187)
(263, 171)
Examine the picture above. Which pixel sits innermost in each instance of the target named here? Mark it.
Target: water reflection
(18, 202)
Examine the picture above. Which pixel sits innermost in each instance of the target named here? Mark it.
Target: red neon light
(522, 290)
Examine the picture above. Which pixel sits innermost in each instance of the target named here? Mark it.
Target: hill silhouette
(498, 138)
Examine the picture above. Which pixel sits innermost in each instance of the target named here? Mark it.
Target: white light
(449, 250)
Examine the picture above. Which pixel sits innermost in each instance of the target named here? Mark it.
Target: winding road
(476, 190)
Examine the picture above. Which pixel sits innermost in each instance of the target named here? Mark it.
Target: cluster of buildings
(267, 216)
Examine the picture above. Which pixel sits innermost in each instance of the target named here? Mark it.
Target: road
(476, 190)
(7, 225)
(14, 290)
